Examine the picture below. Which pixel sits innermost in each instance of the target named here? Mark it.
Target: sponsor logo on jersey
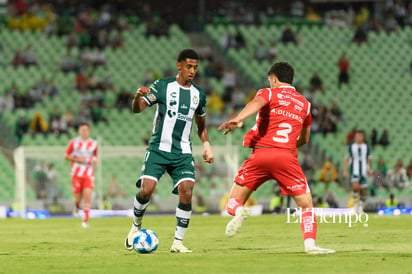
(284, 103)
(298, 108)
(183, 117)
(296, 101)
(183, 106)
(171, 113)
(173, 94)
(172, 103)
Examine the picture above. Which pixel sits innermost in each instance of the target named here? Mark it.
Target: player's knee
(186, 190)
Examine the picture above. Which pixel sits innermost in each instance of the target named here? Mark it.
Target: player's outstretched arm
(204, 137)
(250, 109)
(138, 103)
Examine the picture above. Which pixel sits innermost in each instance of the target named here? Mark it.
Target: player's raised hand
(142, 91)
(229, 125)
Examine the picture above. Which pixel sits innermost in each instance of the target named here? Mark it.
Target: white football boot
(237, 221)
(128, 242)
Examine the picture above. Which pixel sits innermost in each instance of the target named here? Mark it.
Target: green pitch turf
(266, 244)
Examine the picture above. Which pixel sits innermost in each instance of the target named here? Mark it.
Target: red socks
(308, 224)
(86, 210)
(232, 205)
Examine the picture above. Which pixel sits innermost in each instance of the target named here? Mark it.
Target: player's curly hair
(283, 71)
(187, 53)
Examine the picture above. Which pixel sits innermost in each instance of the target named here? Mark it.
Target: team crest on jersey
(151, 97)
(195, 100)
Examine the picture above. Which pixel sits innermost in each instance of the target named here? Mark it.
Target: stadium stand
(378, 95)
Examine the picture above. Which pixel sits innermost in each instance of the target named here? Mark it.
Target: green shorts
(179, 166)
(361, 179)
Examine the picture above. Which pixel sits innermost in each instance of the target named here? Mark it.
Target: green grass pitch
(266, 244)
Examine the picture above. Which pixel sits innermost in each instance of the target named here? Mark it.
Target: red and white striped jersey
(82, 148)
(280, 121)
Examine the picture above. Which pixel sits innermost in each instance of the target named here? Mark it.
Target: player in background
(359, 157)
(178, 101)
(282, 124)
(82, 152)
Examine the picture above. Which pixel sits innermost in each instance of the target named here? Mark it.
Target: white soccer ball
(145, 241)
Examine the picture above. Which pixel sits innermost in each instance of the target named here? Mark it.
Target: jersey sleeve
(153, 96)
(201, 108)
(265, 93)
(69, 149)
(308, 120)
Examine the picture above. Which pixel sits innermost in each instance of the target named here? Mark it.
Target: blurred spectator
(68, 63)
(51, 89)
(68, 118)
(238, 98)
(114, 188)
(40, 177)
(229, 82)
(116, 41)
(374, 137)
(81, 80)
(308, 166)
(350, 137)
(343, 65)
(29, 57)
(272, 52)
(328, 173)
(18, 59)
(214, 103)
(384, 140)
(320, 203)
(391, 201)
(381, 166)
(123, 100)
(21, 126)
(35, 94)
(390, 23)
(316, 83)
(335, 110)
(7, 102)
(409, 170)
(240, 41)
(83, 115)
(54, 121)
(397, 176)
(51, 183)
(96, 113)
(276, 203)
(227, 41)
(99, 58)
(261, 51)
(210, 68)
(38, 124)
(148, 77)
(330, 198)
(93, 82)
(288, 36)
(360, 36)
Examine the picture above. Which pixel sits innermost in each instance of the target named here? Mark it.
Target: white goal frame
(230, 152)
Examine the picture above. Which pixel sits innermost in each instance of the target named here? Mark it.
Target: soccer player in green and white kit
(178, 102)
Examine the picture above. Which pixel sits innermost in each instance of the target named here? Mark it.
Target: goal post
(124, 161)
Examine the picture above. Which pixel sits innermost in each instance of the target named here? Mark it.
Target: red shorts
(273, 163)
(80, 183)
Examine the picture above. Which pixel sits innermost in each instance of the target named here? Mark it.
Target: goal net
(43, 178)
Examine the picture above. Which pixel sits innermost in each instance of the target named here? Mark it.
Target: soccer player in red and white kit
(282, 124)
(82, 152)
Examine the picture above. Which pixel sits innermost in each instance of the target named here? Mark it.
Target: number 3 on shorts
(286, 128)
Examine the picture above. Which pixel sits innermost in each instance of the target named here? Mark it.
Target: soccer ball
(145, 241)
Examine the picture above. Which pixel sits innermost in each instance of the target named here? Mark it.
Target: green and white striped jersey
(176, 107)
